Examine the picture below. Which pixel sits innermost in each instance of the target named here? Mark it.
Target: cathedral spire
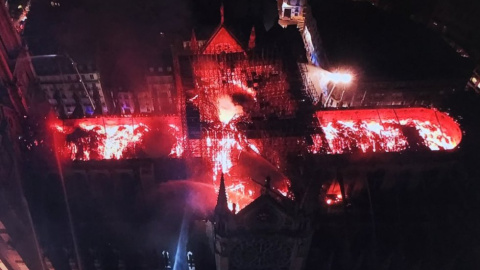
(251, 41)
(194, 42)
(222, 14)
(222, 203)
(268, 185)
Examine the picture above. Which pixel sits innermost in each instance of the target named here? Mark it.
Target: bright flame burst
(227, 111)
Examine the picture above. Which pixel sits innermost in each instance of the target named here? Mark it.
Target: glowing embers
(229, 152)
(238, 196)
(91, 141)
(385, 130)
(349, 136)
(333, 195)
(178, 148)
(226, 90)
(119, 138)
(224, 145)
(244, 88)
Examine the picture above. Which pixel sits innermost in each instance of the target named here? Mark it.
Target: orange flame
(227, 111)
(385, 130)
(106, 142)
(375, 136)
(98, 139)
(223, 152)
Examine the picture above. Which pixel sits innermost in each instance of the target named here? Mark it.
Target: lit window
(169, 69)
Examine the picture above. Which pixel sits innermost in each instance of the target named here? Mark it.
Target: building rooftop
(60, 65)
(381, 45)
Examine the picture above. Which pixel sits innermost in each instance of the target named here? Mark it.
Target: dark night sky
(384, 45)
(123, 34)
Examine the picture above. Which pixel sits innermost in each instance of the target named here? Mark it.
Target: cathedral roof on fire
(222, 40)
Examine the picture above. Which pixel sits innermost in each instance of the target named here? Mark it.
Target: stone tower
(298, 12)
(269, 233)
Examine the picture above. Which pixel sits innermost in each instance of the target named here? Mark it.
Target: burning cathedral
(246, 111)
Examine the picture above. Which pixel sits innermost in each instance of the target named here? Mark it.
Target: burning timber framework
(385, 130)
(119, 137)
(238, 104)
(338, 132)
(238, 88)
(231, 90)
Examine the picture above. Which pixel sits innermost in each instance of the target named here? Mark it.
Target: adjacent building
(74, 90)
(19, 246)
(124, 101)
(161, 95)
(299, 13)
(157, 97)
(17, 85)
